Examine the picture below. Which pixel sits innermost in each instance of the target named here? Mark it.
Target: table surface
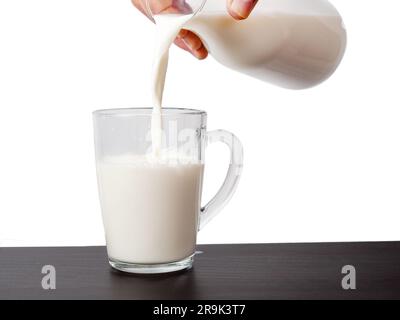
(237, 271)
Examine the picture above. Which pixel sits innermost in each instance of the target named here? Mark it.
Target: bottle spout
(157, 7)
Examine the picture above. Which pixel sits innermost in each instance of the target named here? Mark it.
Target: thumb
(241, 9)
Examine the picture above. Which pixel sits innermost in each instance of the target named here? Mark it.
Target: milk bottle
(294, 44)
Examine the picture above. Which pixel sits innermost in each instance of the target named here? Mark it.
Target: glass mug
(151, 206)
(293, 44)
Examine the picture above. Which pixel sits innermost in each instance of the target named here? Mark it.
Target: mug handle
(225, 193)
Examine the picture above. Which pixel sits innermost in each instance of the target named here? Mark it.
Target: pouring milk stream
(168, 27)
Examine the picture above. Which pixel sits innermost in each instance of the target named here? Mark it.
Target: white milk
(150, 208)
(291, 51)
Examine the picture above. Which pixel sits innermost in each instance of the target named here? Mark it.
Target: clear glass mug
(293, 44)
(151, 207)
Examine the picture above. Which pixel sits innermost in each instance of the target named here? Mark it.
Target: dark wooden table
(248, 271)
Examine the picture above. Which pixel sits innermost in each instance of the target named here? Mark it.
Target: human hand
(187, 40)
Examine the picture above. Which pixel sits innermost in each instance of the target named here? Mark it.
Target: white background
(320, 165)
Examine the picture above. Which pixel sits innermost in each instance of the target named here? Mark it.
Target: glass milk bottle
(295, 44)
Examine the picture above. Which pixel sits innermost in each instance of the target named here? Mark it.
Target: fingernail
(243, 7)
(199, 55)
